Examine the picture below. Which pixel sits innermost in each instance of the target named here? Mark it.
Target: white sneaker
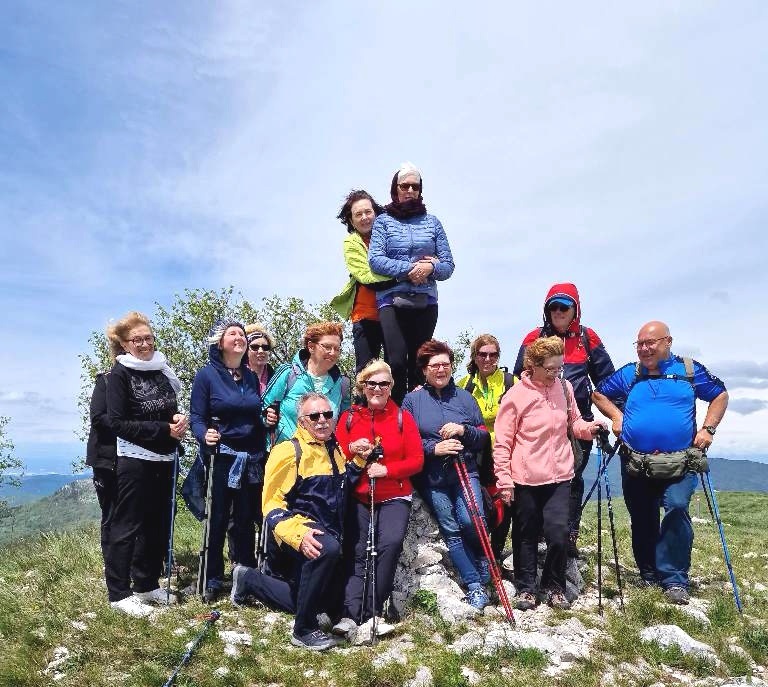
(158, 596)
(132, 606)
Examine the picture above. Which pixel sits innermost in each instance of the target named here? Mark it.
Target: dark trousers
(140, 526)
(368, 341)
(405, 329)
(500, 533)
(244, 506)
(662, 548)
(390, 523)
(105, 484)
(577, 488)
(541, 509)
(307, 592)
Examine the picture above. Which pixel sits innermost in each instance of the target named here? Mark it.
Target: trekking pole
(482, 533)
(601, 458)
(202, 570)
(715, 511)
(372, 530)
(173, 525)
(599, 548)
(610, 451)
(210, 619)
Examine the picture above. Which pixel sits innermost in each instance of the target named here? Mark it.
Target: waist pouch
(413, 301)
(664, 465)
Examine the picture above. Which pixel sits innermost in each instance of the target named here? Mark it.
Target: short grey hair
(311, 396)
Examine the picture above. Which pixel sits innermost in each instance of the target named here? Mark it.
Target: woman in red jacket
(377, 421)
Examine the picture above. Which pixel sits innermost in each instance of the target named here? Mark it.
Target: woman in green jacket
(357, 301)
(488, 382)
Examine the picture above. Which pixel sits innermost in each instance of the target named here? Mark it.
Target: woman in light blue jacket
(410, 246)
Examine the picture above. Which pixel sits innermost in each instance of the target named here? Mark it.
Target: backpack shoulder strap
(297, 451)
(689, 371)
(348, 423)
(400, 419)
(470, 386)
(294, 373)
(585, 341)
(509, 381)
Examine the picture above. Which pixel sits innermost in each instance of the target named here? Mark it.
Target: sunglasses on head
(559, 307)
(327, 414)
(370, 384)
(260, 347)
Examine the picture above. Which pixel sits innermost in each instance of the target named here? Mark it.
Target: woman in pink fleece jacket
(533, 462)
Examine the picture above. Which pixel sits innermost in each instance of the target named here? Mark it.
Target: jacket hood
(301, 358)
(215, 333)
(564, 290)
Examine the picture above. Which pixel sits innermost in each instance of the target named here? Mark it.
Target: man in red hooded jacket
(586, 363)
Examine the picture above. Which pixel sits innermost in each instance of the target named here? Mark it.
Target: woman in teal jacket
(357, 301)
(313, 368)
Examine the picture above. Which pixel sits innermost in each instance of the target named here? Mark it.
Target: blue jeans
(458, 531)
(662, 548)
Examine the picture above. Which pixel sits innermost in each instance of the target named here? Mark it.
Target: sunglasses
(369, 384)
(559, 307)
(489, 356)
(315, 417)
(260, 347)
(409, 187)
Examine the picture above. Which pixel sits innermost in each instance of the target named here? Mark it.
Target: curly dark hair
(431, 348)
(345, 213)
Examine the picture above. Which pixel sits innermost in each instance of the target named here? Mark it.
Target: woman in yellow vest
(488, 382)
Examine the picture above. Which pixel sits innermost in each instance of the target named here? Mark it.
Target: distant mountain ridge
(34, 487)
(726, 475)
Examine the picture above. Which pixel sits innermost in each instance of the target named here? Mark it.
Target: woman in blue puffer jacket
(410, 246)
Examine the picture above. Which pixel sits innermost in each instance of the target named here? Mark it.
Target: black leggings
(404, 330)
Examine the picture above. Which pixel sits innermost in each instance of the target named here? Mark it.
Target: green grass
(50, 580)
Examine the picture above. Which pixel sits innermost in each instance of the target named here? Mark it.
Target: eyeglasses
(409, 187)
(488, 356)
(260, 347)
(315, 417)
(138, 340)
(439, 366)
(370, 384)
(559, 307)
(329, 348)
(552, 370)
(649, 343)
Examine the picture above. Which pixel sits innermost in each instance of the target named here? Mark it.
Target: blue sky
(149, 147)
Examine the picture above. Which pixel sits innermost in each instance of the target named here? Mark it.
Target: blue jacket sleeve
(377, 254)
(518, 368)
(617, 385)
(707, 386)
(427, 444)
(445, 267)
(199, 406)
(600, 364)
(476, 437)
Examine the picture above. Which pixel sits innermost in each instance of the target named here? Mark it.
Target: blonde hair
(541, 349)
(372, 367)
(317, 331)
(258, 331)
(117, 332)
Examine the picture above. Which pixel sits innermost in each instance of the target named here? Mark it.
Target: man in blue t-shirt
(652, 405)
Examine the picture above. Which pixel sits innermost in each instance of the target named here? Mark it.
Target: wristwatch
(711, 429)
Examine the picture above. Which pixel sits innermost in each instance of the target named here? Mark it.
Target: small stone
(179, 631)
(232, 637)
(469, 642)
(79, 625)
(231, 650)
(222, 671)
(668, 635)
(423, 678)
(393, 654)
(695, 613)
(470, 675)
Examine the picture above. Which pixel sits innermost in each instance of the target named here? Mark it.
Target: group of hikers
(326, 471)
